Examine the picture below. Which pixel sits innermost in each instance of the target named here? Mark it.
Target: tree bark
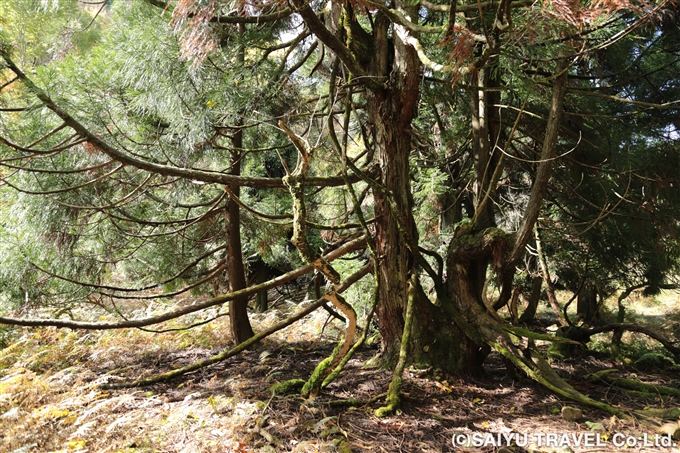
(454, 333)
(530, 312)
(239, 323)
(540, 187)
(391, 111)
(586, 303)
(238, 308)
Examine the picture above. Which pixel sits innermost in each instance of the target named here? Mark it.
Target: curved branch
(398, 17)
(333, 42)
(251, 290)
(473, 7)
(252, 340)
(668, 344)
(258, 19)
(295, 183)
(540, 186)
(252, 19)
(128, 159)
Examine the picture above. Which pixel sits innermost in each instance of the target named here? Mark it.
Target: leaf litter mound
(51, 400)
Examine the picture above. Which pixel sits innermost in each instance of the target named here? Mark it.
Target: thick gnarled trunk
(453, 332)
(437, 337)
(391, 112)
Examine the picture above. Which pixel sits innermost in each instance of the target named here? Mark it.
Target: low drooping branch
(163, 169)
(251, 290)
(668, 344)
(242, 346)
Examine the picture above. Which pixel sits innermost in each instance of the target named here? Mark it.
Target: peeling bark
(295, 183)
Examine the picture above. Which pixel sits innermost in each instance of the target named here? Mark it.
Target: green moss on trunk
(393, 399)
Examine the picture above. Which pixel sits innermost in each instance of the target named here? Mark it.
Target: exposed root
(286, 387)
(526, 333)
(352, 402)
(313, 384)
(663, 414)
(537, 368)
(350, 325)
(606, 376)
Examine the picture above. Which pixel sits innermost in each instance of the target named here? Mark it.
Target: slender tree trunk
(238, 308)
(530, 312)
(261, 276)
(586, 303)
(545, 272)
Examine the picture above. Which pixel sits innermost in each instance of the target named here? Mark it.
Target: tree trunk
(456, 332)
(530, 312)
(586, 304)
(450, 334)
(238, 308)
(545, 272)
(391, 112)
(261, 276)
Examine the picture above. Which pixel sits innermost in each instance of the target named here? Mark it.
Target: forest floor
(50, 399)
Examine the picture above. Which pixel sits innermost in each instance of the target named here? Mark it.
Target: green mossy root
(635, 385)
(540, 371)
(393, 400)
(287, 387)
(313, 384)
(331, 377)
(664, 414)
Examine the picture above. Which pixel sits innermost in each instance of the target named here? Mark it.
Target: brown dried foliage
(197, 38)
(463, 43)
(575, 13)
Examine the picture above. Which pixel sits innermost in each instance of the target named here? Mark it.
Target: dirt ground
(50, 400)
